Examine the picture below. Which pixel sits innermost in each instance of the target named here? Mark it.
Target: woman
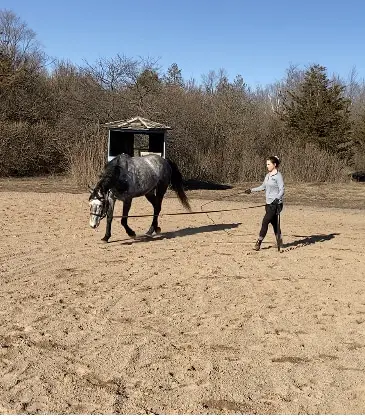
(274, 186)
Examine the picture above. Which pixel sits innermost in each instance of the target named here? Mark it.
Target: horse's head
(98, 207)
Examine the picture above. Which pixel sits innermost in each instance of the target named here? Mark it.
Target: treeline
(51, 115)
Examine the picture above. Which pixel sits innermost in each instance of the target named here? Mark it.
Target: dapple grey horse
(125, 178)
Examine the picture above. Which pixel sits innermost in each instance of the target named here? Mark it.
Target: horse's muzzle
(94, 221)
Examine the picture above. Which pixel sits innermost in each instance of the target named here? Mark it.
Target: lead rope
(219, 199)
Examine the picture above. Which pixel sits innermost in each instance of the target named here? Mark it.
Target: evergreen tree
(317, 111)
(173, 76)
(359, 142)
(359, 129)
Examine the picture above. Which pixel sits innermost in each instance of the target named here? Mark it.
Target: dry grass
(87, 158)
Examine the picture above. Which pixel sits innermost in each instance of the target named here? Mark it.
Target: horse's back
(153, 159)
(143, 173)
(154, 163)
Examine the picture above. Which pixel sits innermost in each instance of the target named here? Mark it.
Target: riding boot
(257, 245)
(279, 241)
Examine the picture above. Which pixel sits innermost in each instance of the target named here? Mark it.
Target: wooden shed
(136, 137)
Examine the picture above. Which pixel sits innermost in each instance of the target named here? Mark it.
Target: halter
(105, 204)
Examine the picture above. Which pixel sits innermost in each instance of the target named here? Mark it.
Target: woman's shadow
(308, 240)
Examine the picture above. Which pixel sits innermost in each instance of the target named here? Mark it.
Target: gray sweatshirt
(274, 187)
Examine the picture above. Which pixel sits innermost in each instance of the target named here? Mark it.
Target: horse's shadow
(308, 240)
(180, 233)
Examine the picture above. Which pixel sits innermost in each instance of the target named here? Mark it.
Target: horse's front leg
(109, 219)
(126, 207)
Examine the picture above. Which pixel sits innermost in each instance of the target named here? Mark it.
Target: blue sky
(258, 39)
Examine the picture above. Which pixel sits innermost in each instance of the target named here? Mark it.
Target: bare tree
(18, 42)
(119, 72)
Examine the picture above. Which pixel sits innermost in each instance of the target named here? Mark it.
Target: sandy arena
(191, 321)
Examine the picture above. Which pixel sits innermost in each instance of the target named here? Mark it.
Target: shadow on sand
(179, 233)
(308, 240)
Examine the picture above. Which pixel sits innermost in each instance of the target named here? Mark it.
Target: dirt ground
(191, 321)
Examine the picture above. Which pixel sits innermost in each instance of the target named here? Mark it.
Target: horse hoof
(104, 239)
(157, 230)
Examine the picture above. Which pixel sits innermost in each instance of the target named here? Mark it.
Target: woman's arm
(262, 187)
(280, 182)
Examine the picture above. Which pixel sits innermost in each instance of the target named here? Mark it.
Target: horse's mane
(111, 172)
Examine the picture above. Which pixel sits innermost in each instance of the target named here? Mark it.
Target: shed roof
(136, 123)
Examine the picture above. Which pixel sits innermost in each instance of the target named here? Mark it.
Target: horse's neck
(110, 177)
(104, 185)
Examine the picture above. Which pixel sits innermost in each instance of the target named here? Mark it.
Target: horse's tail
(177, 184)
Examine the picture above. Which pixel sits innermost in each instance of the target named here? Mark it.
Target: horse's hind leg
(156, 203)
(124, 221)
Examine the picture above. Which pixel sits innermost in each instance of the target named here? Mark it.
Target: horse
(126, 177)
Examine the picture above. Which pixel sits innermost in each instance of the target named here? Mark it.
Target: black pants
(271, 217)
